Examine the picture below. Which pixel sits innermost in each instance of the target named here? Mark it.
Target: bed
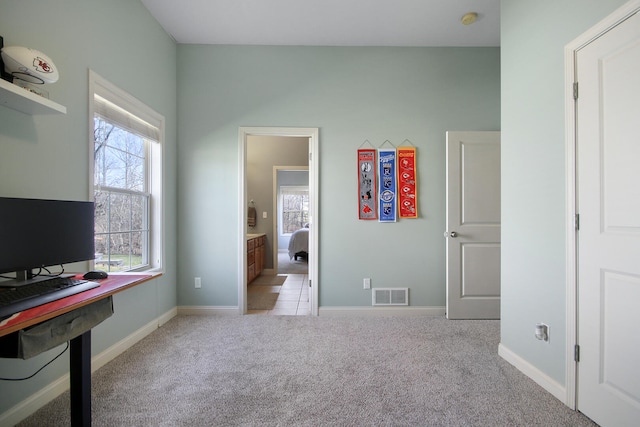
(299, 244)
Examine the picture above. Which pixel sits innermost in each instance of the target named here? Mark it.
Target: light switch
(264, 215)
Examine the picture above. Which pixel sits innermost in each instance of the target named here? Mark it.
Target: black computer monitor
(36, 233)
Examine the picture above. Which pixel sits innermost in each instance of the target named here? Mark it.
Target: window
(294, 205)
(127, 163)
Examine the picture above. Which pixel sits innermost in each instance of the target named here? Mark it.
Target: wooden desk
(80, 347)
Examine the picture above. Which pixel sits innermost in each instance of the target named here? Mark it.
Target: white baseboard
(49, 392)
(167, 316)
(34, 402)
(202, 310)
(324, 311)
(99, 360)
(382, 311)
(542, 379)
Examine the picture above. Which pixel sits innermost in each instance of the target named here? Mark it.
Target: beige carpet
(291, 266)
(281, 371)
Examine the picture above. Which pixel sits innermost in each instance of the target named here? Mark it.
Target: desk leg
(80, 372)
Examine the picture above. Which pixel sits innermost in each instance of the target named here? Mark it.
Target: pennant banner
(366, 184)
(387, 188)
(407, 183)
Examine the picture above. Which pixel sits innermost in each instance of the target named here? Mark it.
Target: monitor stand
(26, 277)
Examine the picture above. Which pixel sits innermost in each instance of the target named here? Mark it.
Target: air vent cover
(390, 296)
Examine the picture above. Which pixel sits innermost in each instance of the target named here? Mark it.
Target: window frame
(154, 161)
(292, 188)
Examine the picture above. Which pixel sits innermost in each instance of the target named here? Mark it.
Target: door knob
(450, 234)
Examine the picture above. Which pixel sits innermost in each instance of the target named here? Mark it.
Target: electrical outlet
(366, 282)
(198, 283)
(542, 332)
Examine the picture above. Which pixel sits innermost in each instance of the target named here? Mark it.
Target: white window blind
(115, 114)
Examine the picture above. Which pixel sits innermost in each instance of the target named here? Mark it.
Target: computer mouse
(95, 274)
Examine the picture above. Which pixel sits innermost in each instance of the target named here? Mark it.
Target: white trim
(112, 93)
(382, 311)
(542, 379)
(570, 50)
(192, 310)
(313, 135)
(164, 318)
(121, 346)
(242, 216)
(202, 310)
(570, 240)
(621, 14)
(155, 162)
(31, 404)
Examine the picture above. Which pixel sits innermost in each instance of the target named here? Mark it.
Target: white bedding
(299, 242)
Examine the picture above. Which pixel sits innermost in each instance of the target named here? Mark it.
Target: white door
(473, 225)
(608, 181)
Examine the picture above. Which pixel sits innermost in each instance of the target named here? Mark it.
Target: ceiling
(329, 22)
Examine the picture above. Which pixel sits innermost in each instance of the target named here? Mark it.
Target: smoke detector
(469, 18)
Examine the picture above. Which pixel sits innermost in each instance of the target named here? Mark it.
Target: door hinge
(575, 90)
(576, 353)
(577, 221)
(310, 156)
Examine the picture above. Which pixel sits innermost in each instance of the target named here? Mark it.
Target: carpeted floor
(288, 265)
(315, 371)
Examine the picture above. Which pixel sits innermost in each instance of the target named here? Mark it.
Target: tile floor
(293, 296)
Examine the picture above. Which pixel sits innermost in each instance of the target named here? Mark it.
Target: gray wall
(47, 156)
(351, 95)
(533, 172)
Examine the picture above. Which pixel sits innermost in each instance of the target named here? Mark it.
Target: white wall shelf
(20, 99)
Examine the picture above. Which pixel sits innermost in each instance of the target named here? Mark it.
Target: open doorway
(255, 205)
(291, 219)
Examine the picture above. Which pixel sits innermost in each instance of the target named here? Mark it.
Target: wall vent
(390, 296)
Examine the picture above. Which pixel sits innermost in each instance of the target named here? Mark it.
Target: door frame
(313, 135)
(572, 286)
